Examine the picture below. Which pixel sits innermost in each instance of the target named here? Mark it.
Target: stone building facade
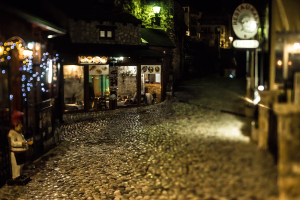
(89, 32)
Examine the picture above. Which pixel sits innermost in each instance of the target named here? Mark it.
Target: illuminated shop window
(151, 82)
(287, 56)
(127, 86)
(98, 87)
(73, 87)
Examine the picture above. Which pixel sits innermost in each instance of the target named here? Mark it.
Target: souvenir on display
(18, 148)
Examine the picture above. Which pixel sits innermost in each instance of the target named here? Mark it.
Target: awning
(111, 50)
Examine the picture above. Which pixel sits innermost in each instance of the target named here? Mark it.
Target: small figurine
(18, 147)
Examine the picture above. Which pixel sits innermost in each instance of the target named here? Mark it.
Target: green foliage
(144, 11)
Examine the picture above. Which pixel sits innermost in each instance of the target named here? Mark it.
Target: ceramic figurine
(18, 147)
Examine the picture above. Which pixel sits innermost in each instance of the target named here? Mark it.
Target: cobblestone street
(183, 149)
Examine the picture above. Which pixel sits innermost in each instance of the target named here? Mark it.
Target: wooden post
(86, 87)
(138, 82)
(289, 157)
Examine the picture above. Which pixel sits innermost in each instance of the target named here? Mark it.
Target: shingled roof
(157, 37)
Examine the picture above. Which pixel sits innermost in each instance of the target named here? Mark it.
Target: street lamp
(156, 10)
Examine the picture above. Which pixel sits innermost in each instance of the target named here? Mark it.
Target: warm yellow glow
(156, 9)
(290, 62)
(37, 46)
(27, 53)
(231, 39)
(103, 59)
(279, 62)
(296, 45)
(93, 60)
(1, 50)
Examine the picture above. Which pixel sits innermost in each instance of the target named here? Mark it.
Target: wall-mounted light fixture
(156, 10)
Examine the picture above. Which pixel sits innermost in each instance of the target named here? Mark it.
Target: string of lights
(29, 77)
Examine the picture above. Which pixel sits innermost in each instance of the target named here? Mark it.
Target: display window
(151, 83)
(127, 86)
(98, 87)
(287, 62)
(73, 87)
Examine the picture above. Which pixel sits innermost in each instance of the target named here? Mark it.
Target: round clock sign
(245, 21)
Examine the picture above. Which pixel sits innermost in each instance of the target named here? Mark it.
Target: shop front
(27, 82)
(92, 82)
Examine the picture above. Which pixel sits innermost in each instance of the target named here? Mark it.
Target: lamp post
(156, 10)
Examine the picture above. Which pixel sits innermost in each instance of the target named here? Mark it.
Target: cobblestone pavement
(173, 150)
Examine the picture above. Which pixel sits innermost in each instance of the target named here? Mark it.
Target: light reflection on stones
(149, 153)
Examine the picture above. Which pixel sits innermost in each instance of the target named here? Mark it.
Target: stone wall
(88, 32)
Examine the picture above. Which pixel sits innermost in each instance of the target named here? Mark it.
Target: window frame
(106, 29)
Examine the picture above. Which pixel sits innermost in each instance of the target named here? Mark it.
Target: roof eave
(33, 19)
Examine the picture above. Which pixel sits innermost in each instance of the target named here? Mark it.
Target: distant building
(191, 19)
(216, 28)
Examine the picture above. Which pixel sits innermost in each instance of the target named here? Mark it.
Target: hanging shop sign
(245, 21)
(150, 69)
(92, 60)
(98, 69)
(245, 44)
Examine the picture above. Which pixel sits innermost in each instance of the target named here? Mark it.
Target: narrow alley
(186, 148)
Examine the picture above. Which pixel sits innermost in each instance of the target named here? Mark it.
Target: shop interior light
(290, 63)
(30, 45)
(113, 60)
(37, 46)
(27, 53)
(50, 72)
(231, 38)
(279, 62)
(296, 45)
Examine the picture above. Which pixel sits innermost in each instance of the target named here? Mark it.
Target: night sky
(216, 5)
